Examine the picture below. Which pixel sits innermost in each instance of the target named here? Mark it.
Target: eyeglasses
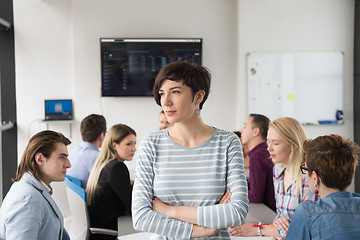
(304, 169)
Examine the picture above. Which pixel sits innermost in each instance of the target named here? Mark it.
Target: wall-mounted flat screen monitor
(129, 66)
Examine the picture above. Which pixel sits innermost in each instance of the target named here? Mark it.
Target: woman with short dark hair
(330, 163)
(183, 171)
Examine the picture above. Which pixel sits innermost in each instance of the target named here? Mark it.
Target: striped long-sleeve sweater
(196, 176)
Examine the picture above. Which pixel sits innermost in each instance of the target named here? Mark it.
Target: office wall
(43, 62)
(298, 26)
(58, 55)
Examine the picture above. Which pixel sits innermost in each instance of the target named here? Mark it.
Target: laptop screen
(58, 109)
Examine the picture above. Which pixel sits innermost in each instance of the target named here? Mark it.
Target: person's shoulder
(224, 134)
(25, 192)
(339, 200)
(305, 208)
(84, 149)
(158, 134)
(155, 137)
(261, 157)
(89, 148)
(115, 165)
(354, 194)
(260, 149)
(262, 154)
(356, 200)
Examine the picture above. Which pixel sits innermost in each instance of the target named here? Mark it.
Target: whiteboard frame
(307, 86)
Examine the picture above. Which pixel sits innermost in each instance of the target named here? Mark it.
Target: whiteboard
(305, 86)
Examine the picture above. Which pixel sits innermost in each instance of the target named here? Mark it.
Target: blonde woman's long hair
(293, 133)
(107, 153)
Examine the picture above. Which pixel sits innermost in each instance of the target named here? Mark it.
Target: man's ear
(256, 131)
(40, 159)
(102, 136)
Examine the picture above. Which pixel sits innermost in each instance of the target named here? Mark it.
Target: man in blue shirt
(82, 158)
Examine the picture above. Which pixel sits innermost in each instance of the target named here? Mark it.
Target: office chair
(80, 224)
(74, 180)
(60, 197)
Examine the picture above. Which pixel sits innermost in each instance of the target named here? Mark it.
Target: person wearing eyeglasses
(285, 140)
(330, 163)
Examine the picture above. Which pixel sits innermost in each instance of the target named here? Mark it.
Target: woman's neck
(190, 134)
(324, 191)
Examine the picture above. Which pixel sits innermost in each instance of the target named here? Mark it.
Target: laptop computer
(58, 109)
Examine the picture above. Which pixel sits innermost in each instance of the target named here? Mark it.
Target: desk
(125, 226)
(144, 236)
(257, 212)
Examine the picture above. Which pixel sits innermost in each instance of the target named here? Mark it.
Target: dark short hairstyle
(194, 76)
(92, 126)
(43, 142)
(261, 122)
(334, 158)
(238, 133)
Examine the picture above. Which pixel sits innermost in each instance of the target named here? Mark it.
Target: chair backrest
(60, 197)
(74, 180)
(79, 227)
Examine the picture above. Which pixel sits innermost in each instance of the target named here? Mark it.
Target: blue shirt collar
(88, 145)
(342, 194)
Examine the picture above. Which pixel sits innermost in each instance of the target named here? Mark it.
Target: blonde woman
(109, 188)
(285, 139)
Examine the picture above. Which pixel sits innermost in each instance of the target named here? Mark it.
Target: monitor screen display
(58, 109)
(130, 66)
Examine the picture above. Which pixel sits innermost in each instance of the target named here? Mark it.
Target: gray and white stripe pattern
(190, 177)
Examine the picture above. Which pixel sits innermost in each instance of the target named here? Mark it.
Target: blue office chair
(80, 224)
(74, 180)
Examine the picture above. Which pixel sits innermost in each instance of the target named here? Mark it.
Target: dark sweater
(112, 196)
(261, 185)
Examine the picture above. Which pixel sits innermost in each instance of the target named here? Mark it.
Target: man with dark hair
(82, 158)
(260, 184)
